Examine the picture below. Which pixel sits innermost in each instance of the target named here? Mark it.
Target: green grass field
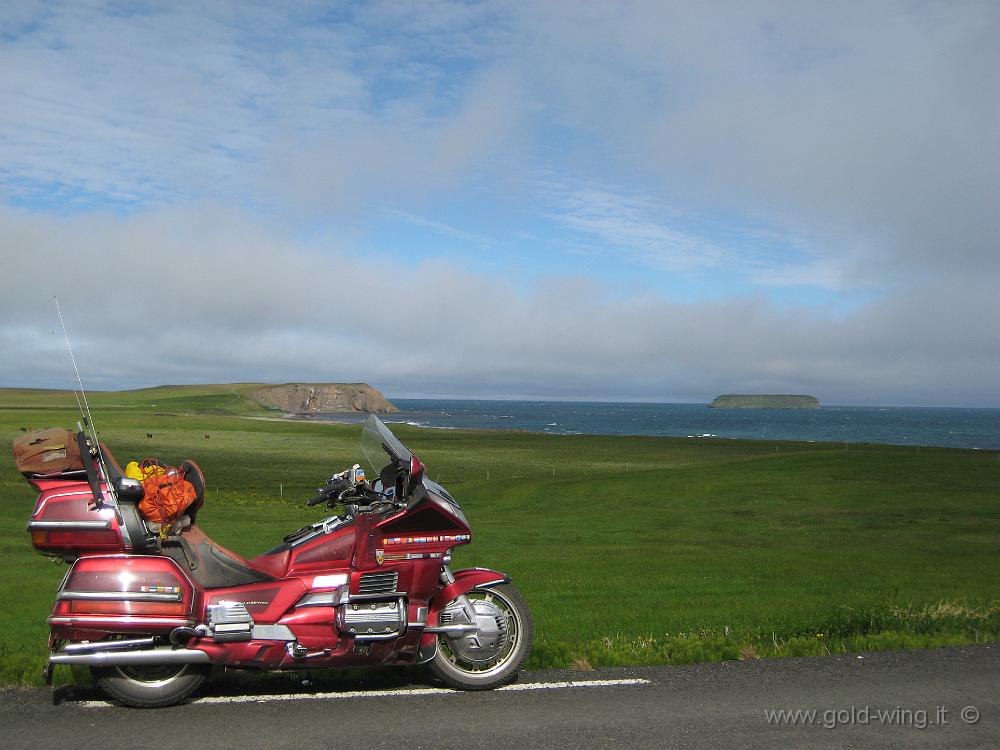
(631, 550)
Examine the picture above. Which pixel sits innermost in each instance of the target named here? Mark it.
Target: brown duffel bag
(50, 451)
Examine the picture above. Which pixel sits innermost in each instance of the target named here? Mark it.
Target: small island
(738, 401)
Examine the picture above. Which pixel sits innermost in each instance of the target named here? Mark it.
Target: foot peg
(298, 651)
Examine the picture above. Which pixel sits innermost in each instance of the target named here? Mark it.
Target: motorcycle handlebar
(366, 496)
(334, 487)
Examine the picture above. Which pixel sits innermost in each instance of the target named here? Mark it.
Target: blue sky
(636, 200)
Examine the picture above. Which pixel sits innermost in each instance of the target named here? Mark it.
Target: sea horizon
(567, 400)
(930, 426)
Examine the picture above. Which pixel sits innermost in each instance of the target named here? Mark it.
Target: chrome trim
(74, 648)
(323, 598)
(297, 651)
(383, 582)
(306, 538)
(486, 585)
(453, 631)
(72, 493)
(62, 583)
(65, 525)
(369, 597)
(150, 657)
(421, 621)
(328, 524)
(117, 620)
(229, 621)
(119, 596)
(272, 633)
(376, 621)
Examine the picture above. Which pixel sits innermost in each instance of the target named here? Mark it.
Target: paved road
(921, 696)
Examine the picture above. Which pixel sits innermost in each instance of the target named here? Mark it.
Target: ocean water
(930, 426)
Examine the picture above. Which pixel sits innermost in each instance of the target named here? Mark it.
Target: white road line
(400, 692)
(573, 684)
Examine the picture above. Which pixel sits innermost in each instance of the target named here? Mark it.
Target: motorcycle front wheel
(495, 663)
(151, 686)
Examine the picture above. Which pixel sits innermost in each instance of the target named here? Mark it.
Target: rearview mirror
(415, 475)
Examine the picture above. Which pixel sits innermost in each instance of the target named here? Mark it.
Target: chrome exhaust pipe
(81, 648)
(147, 657)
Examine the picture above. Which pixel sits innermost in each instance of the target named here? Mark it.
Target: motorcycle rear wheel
(450, 667)
(150, 686)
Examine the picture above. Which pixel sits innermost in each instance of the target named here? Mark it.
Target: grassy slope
(700, 549)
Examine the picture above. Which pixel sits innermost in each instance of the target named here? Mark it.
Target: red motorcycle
(371, 586)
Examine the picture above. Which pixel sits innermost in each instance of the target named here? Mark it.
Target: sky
(649, 201)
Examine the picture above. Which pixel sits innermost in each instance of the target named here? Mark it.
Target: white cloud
(442, 228)
(863, 138)
(218, 296)
(244, 101)
(631, 225)
(868, 131)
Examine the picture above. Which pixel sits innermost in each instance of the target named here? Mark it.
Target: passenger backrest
(193, 474)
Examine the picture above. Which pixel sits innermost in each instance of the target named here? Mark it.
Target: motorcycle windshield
(382, 449)
(380, 446)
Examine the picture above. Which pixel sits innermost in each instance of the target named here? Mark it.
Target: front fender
(465, 581)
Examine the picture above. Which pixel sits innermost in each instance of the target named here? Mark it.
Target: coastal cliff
(737, 401)
(323, 398)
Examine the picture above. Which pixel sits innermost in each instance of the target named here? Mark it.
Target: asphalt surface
(912, 699)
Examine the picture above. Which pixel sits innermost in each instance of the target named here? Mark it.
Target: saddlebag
(104, 594)
(47, 452)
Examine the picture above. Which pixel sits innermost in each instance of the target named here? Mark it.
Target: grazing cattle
(149, 435)
(24, 429)
(205, 436)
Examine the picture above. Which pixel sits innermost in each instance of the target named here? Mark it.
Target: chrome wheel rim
(153, 676)
(500, 661)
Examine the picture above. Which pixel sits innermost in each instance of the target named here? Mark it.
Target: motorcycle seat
(213, 566)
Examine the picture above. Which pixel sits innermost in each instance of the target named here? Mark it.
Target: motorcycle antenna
(88, 420)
